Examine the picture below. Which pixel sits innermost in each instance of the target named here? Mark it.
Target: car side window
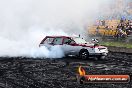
(72, 42)
(48, 41)
(58, 41)
(67, 40)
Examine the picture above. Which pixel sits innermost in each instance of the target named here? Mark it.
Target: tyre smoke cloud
(24, 23)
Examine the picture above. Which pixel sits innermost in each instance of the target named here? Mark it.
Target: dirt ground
(21, 72)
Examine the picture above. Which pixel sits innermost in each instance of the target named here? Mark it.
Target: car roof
(60, 36)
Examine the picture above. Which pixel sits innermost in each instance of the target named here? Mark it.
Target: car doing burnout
(75, 46)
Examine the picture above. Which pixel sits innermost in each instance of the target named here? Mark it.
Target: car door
(68, 48)
(57, 42)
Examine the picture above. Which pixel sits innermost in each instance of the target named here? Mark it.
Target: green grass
(117, 44)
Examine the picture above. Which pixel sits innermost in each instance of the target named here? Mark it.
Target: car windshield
(79, 40)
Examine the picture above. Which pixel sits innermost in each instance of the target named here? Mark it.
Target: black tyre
(84, 54)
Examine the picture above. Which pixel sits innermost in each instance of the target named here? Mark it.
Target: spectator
(97, 30)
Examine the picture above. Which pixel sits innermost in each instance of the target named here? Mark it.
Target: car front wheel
(84, 54)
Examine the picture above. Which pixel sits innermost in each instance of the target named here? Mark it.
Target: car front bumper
(98, 54)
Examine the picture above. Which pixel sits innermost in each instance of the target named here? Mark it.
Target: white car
(75, 46)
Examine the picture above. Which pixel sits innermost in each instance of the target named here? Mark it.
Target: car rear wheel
(84, 54)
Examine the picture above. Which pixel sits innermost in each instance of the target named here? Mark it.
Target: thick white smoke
(24, 23)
